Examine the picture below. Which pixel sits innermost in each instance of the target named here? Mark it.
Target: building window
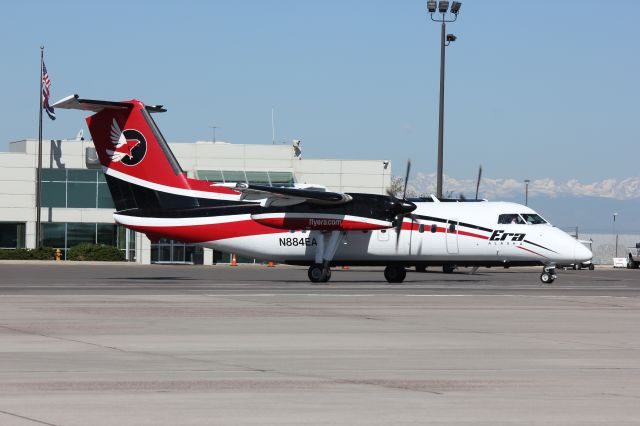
(267, 178)
(281, 179)
(169, 251)
(258, 178)
(75, 188)
(234, 176)
(211, 175)
(12, 235)
(66, 235)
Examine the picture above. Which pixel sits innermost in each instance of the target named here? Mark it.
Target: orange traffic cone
(270, 264)
(233, 260)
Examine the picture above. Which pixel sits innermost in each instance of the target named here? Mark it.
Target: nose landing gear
(548, 274)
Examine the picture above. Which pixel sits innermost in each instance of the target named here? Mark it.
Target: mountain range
(569, 204)
(624, 189)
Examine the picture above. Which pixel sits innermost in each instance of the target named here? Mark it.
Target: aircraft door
(452, 236)
(413, 237)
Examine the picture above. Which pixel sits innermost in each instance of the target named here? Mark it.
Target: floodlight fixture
(442, 6)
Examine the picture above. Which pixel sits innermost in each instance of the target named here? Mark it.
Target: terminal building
(77, 206)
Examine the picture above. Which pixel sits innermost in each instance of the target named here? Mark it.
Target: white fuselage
(438, 233)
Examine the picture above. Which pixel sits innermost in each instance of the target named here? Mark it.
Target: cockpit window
(510, 219)
(533, 219)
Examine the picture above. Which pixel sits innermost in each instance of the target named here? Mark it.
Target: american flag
(46, 84)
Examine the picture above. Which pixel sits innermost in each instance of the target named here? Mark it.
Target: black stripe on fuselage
(135, 200)
(440, 220)
(129, 196)
(538, 245)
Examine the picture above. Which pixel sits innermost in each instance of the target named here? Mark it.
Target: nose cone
(582, 253)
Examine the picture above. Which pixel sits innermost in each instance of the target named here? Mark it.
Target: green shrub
(42, 253)
(95, 252)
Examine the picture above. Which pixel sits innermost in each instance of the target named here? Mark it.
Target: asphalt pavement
(94, 344)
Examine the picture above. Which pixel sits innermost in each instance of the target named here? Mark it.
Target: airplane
(153, 195)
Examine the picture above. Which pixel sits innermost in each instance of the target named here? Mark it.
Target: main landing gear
(448, 269)
(395, 274)
(328, 243)
(548, 274)
(318, 273)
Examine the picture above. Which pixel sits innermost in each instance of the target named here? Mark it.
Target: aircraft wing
(279, 197)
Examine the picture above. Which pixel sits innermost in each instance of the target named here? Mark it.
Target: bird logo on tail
(129, 146)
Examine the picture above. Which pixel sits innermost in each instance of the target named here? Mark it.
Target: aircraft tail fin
(140, 168)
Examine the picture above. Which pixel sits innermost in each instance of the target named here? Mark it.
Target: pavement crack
(114, 348)
(31, 419)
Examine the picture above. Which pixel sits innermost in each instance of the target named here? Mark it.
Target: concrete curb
(61, 262)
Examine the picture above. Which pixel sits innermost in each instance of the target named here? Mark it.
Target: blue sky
(534, 89)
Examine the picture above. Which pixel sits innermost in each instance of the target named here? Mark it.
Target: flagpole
(39, 171)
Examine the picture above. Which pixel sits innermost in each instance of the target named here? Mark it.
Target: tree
(396, 187)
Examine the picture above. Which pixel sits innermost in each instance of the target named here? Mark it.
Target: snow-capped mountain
(624, 189)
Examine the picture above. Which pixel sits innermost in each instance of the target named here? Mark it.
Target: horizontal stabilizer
(75, 102)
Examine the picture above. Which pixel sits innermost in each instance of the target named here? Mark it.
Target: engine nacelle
(319, 222)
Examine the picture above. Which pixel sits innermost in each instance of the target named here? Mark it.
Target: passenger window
(452, 227)
(510, 219)
(421, 228)
(434, 228)
(383, 231)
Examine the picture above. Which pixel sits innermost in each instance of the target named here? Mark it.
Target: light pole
(214, 132)
(526, 192)
(445, 40)
(615, 215)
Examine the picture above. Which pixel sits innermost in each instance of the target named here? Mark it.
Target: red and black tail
(140, 168)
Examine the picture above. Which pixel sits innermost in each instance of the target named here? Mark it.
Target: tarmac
(122, 344)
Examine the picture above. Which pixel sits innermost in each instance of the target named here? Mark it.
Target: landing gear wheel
(421, 268)
(548, 274)
(591, 267)
(546, 278)
(448, 269)
(318, 274)
(395, 274)
(327, 276)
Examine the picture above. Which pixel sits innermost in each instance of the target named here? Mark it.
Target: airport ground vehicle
(587, 264)
(153, 195)
(634, 257)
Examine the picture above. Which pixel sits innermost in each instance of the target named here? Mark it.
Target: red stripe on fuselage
(245, 228)
(523, 248)
(322, 224)
(471, 234)
(207, 232)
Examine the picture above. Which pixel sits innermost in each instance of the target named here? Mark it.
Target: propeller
(478, 182)
(402, 207)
